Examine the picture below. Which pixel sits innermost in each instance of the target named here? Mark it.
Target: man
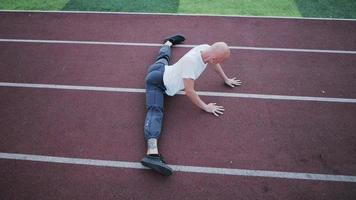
(163, 78)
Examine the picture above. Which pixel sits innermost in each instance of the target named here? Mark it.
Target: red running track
(236, 31)
(252, 134)
(57, 181)
(280, 73)
(274, 135)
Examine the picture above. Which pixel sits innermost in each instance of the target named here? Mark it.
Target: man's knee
(156, 109)
(154, 77)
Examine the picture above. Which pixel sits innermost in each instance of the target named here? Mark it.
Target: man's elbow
(189, 92)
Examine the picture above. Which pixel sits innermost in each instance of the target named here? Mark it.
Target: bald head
(221, 49)
(218, 52)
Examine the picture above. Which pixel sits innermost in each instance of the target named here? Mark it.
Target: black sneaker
(175, 39)
(157, 163)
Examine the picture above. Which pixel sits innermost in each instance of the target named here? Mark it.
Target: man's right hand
(214, 109)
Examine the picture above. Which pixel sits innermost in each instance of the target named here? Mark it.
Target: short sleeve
(188, 70)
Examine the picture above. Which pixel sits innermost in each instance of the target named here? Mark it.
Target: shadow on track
(162, 6)
(327, 8)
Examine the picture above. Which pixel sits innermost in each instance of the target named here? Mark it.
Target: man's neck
(204, 56)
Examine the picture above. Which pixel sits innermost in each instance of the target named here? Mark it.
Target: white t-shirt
(191, 65)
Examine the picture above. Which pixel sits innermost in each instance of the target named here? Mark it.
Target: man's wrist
(205, 107)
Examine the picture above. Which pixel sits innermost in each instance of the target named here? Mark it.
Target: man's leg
(154, 103)
(154, 117)
(164, 57)
(155, 98)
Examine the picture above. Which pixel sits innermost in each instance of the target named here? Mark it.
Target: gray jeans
(155, 91)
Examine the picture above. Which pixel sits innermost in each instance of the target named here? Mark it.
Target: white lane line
(201, 93)
(278, 97)
(182, 168)
(177, 14)
(184, 45)
(72, 87)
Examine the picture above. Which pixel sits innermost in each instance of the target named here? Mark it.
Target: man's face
(218, 59)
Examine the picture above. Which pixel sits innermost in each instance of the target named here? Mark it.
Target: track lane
(281, 33)
(266, 135)
(57, 181)
(283, 73)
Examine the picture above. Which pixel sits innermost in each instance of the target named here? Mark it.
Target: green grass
(296, 8)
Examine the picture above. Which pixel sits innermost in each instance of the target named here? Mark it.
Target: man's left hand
(232, 82)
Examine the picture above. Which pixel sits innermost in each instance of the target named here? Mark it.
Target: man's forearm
(194, 97)
(220, 72)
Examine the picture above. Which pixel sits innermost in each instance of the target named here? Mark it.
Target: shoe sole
(158, 167)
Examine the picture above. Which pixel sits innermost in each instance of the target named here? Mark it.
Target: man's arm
(194, 97)
(232, 82)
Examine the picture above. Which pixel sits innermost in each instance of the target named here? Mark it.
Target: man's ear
(213, 60)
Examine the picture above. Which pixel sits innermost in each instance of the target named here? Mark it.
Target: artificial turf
(292, 8)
